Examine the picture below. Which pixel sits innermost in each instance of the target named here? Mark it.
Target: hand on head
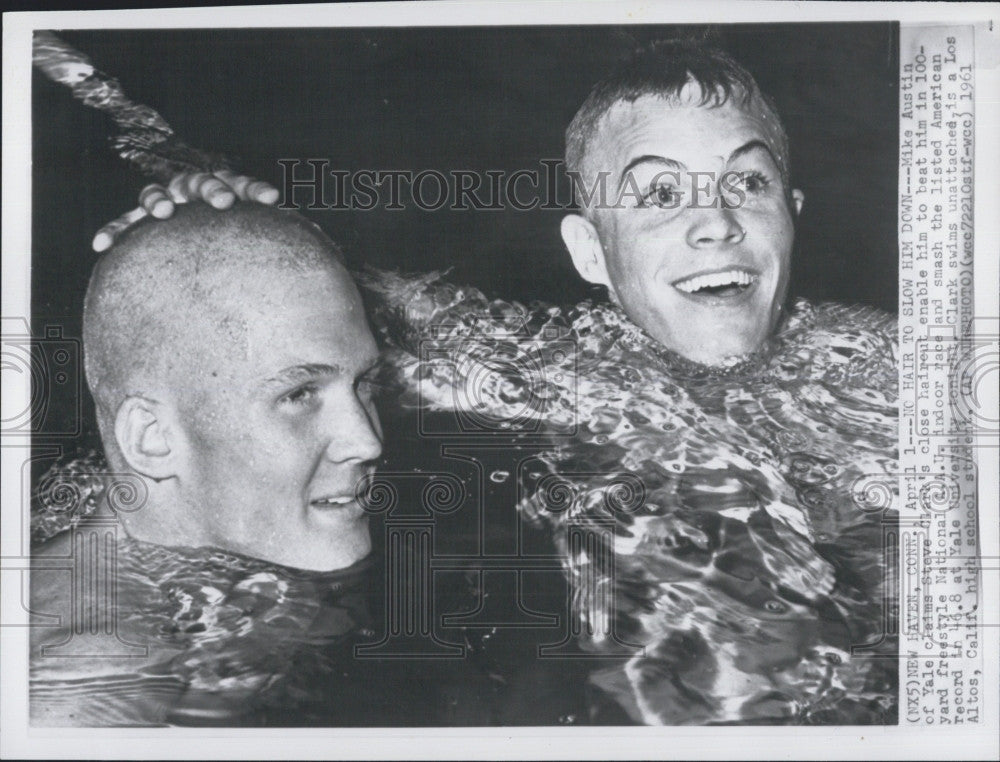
(219, 189)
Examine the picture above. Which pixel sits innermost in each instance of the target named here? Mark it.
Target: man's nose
(714, 225)
(355, 434)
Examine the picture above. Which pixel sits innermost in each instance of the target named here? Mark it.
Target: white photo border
(17, 740)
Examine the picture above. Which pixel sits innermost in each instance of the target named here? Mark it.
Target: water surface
(720, 533)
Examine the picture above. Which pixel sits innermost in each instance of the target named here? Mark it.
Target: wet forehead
(681, 131)
(311, 318)
(282, 319)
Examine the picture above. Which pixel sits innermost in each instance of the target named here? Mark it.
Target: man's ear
(797, 198)
(584, 245)
(145, 438)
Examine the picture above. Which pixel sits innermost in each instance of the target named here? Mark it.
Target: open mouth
(721, 284)
(329, 503)
(337, 508)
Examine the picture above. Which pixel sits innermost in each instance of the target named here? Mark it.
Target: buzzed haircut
(170, 287)
(662, 69)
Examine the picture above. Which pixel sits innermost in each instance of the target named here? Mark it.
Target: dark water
(234, 641)
(721, 528)
(716, 539)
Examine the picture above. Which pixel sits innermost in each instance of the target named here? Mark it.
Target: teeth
(725, 278)
(333, 500)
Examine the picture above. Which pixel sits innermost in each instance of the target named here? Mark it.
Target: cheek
(253, 450)
(280, 450)
(774, 227)
(635, 256)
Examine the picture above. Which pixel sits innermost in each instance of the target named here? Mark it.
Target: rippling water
(721, 531)
(723, 526)
(234, 641)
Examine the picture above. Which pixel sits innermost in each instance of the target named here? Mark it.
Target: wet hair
(662, 69)
(171, 287)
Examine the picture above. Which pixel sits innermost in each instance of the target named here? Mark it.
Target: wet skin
(699, 204)
(279, 436)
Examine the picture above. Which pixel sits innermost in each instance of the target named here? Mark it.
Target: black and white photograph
(542, 375)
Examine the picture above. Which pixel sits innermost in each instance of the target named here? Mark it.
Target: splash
(709, 519)
(143, 136)
(728, 554)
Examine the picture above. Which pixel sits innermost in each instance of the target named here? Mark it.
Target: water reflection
(746, 579)
(706, 522)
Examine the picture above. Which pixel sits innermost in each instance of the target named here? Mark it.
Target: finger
(216, 192)
(238, 183)
(192, 188)
(154, 199)
(262, 192)
(107, 234)
(186, 186)
(177, 188)
(248, 189)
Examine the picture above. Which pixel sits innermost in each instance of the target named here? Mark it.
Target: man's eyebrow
(307, 371)
(652, 158)
(752, 145)
(302, 372)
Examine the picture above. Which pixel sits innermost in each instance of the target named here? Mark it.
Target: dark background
(454, 98)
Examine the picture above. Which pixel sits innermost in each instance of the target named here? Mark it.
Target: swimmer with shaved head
(227, 355)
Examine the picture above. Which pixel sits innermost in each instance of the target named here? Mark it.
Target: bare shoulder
(51, 580)
(94, 658)
(82, 623)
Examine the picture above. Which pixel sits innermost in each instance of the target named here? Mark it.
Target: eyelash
(758, 177)
(647, 200)
(365, 386)
(301, 395)
(745, 177)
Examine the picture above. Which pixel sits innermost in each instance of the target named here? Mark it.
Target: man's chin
(710, 335)
(312, 552)
(719, 339)
(325, 560)
(711, 351)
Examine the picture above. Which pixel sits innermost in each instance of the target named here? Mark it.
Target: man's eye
(753, 182)
(301, 395)
(664, 196)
